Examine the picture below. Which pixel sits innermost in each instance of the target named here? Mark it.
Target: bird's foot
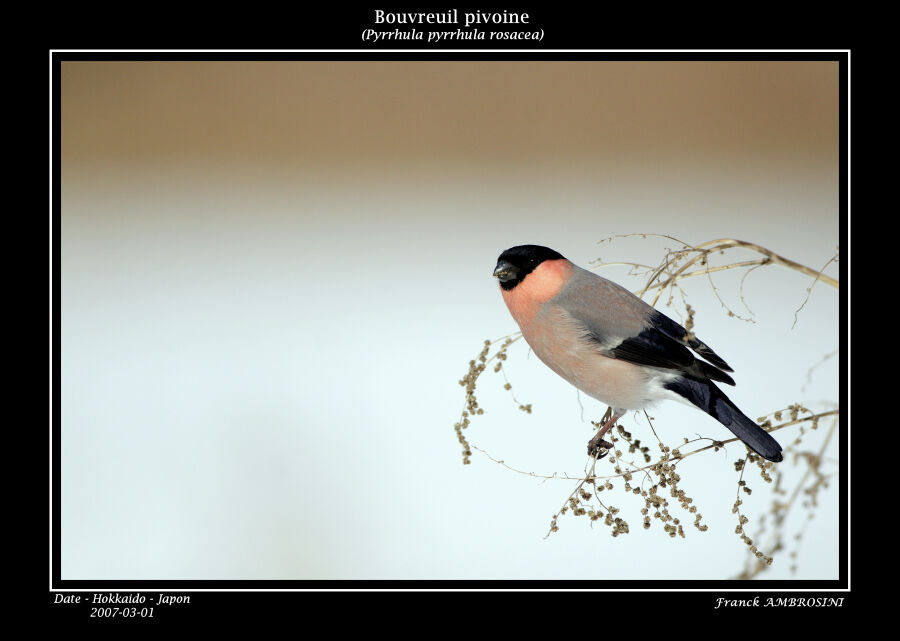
(598, 448)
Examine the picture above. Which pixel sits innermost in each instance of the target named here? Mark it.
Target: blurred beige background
(365, 112)
(273, 275)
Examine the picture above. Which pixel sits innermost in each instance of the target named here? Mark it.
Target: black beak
(505, 271)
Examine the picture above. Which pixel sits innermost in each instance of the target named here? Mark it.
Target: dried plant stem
(646, 468)
(743, 520)
(781, 510)
(659, 483)
(724, 243)
(555, 475)
(811, 468)
(718, 444)
(703, 250)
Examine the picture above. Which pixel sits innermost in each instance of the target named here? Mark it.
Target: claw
(599, 449)
(596, 443)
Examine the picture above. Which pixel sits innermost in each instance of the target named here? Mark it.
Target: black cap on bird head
(516, 263)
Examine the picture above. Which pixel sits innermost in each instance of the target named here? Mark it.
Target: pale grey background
(273, 276)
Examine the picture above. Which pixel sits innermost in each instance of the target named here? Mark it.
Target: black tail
(709, 398)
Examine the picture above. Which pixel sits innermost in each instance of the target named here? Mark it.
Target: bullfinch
(613, 346)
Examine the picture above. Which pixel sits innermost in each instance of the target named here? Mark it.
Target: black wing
(675, 331)
(661, 344)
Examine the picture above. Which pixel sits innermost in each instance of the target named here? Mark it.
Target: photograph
(474, 321)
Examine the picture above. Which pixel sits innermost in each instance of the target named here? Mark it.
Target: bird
(615, 347)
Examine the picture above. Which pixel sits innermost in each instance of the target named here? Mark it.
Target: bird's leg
(596, 443)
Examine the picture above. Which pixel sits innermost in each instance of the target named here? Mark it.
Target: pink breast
(537, 288)
(557, 339)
